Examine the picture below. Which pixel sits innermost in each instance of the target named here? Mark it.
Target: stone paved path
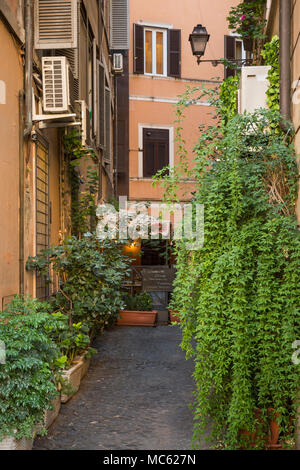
(135, 396)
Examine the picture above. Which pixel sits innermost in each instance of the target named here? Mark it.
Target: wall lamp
(199, 39)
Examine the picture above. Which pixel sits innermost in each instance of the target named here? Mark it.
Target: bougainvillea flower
(243, 17)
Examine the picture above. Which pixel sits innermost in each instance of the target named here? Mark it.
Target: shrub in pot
(138, 311)
(75, 352)
(26, 378)
(92, 271)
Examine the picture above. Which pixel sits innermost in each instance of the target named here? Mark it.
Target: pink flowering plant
(247, 19)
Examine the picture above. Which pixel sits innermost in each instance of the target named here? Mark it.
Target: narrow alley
(135, 396)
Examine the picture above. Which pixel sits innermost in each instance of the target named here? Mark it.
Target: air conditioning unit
(118, 63)
(83, 115)
(58, 85)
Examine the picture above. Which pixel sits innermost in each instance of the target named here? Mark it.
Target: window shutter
(73, 55)
(101, 120)
(119, 31)
(95, 87)
(174, 52)
(156, 151)
(230, 55)
(107, 152)
(56, 24)
(138, 49)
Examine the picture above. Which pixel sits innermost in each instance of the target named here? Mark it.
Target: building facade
(61, 63)
(161, 66)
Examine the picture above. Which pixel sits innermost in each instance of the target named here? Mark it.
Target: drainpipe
(115, 170)
(285, 66)
(21, 193)
(28, 67)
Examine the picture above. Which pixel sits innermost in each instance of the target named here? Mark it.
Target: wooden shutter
(107, 152)
(56, 24)
(119, 32)
(138, 48)
(101, 118)
(73, 55)
(156, 151)
(174, 52)
(95, 89)
(230, 55)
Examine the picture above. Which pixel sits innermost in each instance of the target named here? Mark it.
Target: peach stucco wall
(153, 99)
(10, 84)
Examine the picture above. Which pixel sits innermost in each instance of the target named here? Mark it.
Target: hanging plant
(238, 296)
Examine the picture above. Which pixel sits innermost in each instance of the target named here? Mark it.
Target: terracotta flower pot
(271, 440)
(173, 316)
(274, 430)
(251, 438)
(137, 318)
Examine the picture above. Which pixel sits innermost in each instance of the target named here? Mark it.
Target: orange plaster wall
(183, 15)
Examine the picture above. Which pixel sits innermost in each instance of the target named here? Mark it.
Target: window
(234, 50)
(155, 150)
(157, 51)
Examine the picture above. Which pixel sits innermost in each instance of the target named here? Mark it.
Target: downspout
(116, 138)
(21, 193)
(284, 58)
(28, 67)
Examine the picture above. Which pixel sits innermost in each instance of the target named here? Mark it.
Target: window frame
(165, 51)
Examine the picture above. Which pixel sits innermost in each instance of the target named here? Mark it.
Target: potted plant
(27, 385)
(173, 315)
(138, 311)
(75, 353)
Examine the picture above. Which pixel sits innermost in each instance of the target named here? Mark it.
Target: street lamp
(199, 39)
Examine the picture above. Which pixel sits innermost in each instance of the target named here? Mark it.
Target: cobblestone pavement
(135, 396)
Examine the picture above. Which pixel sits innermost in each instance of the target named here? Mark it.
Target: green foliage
(247, 19)
(270, 55)
(72, 339)
(91, 272)
(83, 201)
(26, 379)
(228, 98)
(140, 302)
(238, 296)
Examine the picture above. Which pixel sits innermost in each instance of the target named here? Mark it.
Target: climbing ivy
(228, 98)
(83, 193)
(270, 55)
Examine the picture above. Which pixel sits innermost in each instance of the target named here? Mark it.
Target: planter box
(137, 318)
(11, 443)
(86, 362)
(51, 415)
(72, 376)
(75, 375)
